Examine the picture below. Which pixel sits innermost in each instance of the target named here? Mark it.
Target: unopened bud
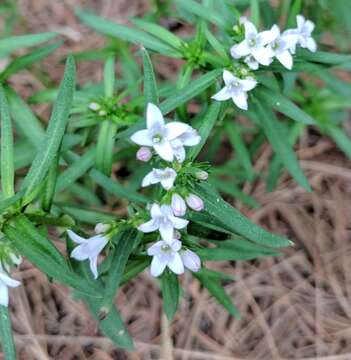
(94, 106)
(101, 228)
(144, 154)
(178, 205)
(102, 112)
(195, 202)
(201, 175)
(190, 260)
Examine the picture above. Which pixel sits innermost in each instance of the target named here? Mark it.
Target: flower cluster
(261, 48)
(168, 141)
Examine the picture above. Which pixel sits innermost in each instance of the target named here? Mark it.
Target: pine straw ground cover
(296, 306)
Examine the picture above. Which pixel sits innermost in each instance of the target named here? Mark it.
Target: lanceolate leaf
(6, 158)
(221, 214)
(126, 240)
(54, 134)
(276, 136)
(6, 337)
(170, 293)
(150, 87)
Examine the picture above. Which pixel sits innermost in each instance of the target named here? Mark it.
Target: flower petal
(179, 153)
(76, 238)
(176, 245)
(166, 231)
(4, 295)
(176, 264)
(154, 117)
(285, 59)
(164, 150)
(167, 184)
(191, 137)
(155, 211)
(79, 253)
(157, 266)
(142, 138)
(175, 129)
(239, 50)
(95, 245)
(228, 77)
(248, 83)
(149, 226)
(263, 55)
(300, 20)
(178, 223)
(155, 248)
(311, 45)
(150, 179)
(8, 281)
(223, 94)
(93, 266)
(240, 100)
(308, 26)
(250, 29)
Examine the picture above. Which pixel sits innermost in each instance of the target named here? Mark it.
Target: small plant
(63, 177)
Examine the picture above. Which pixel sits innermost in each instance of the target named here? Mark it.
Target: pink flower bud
(178, 205)
(201, 175)
(194, 202)
(191, 260)
(144, 154)
(101, 228)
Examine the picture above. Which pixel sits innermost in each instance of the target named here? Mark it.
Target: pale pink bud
(144, 154)
(101, 228)
(201, 175)
(94, 106)
(178, 205)
(191, 260)
(195, 202)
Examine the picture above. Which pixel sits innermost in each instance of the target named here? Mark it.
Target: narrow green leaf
(107, 27)
(255, 12)
(207, 124)
(195, 88)
(50, 185)
(159, 32)
(24, 119)
(126, 240)
(340, 138)
(115, 188)
(54, 134)
(150, 87)
(26, 61)
(221, 214)
(6, 158)
(105, 146)
(170, 293)
(282, 104)
(324, 57)
(276, 137)
(217, 291)
(6, 337)
(14, 43)
(109, 76)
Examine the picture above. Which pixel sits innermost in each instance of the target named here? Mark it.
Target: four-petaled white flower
(304, 31)
(163, 219)
(158, 134)
(235, 89)
(254, 44)
(88, 249)
(165, 176)
(282, 45)
(6, 282)
(166, 254)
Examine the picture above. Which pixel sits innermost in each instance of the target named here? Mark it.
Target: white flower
(189, 138)
(195, 202)
(144, 154)
(235, 89)
(304, 31)
(178, 205)
(190, 260)
(254, 44)
(88, 249)
(165, 176)
(163, 219)
(251, 62)
(158, 134)
(281, 46)
(5, 283)
(166, 255)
